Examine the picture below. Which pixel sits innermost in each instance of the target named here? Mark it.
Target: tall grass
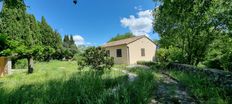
(203, 89)
(61, 83)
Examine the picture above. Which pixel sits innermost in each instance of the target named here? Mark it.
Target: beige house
(131, 50)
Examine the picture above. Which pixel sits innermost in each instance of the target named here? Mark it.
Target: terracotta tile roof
(123, 41)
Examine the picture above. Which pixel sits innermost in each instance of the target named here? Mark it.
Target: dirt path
(169, 91)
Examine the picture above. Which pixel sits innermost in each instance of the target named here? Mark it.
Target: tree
(219, 55)
(121, 36)
(53, 41)
(58, 47)
(6, 46)
(96, 58)
(70, 48)
(190, 25)
(21, 30)
(72, 42)
(46, 31)
(25, 37)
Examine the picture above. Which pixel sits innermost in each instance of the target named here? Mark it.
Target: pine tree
(66, 41)
(69, 46)
(72, 42)
(46, 32)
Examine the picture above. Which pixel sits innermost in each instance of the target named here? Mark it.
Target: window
(119, 52)
(108, 52)
(142, 52)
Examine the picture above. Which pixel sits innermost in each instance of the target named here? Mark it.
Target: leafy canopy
(192, 25)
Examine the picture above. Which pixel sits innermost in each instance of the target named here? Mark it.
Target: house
(131, 50)
(5, 66)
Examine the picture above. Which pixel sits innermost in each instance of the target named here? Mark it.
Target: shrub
(214, 63)
(96, 58)
(223, 61)
(76, 57)
(226, 61)
(170, 54)
(147, 63)
(162, 55)
(21, 64)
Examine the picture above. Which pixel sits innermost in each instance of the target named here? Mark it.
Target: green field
(59, 82)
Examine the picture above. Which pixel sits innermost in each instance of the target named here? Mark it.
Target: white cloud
(140, 25)
(79, 40)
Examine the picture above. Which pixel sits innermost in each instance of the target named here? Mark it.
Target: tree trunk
(13, 63)
(30, 65)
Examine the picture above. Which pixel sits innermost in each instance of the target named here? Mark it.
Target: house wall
(5, 66)
(9, 66)
(135, 50)
(119, 60)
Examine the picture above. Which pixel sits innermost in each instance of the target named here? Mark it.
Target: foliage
(147, 63)
(202, 88)
(21, 64)
(121, 36)
(95, 58)
(70, 48)
(8, 46)
(171, 54)
(77, 57)
(52, 42)
(191, 25)
(156, 42)
(220, 54)
(26, 37)
(60, 82)
(47, 53)
(162, 55)
(3, 42)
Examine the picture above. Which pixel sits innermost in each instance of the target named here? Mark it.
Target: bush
(223, 61)
(96, 58)
(170, 54)
(226, 61)
(21, 64)
(77, 57)
(147, 63)
(214, 63)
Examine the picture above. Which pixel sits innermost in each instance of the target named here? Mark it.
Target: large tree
(25, 36)
(51, 40)
(21, 28)
(191, 25)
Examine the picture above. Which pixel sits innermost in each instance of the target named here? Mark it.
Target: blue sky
(94, 22)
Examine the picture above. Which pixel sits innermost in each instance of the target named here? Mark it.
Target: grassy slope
(61, 83)
(202, 88)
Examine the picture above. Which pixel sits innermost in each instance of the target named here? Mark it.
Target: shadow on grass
(80, 88)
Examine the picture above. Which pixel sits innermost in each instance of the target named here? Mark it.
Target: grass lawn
(60, 82)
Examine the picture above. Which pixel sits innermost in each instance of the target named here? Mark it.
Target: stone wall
(220, 77)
